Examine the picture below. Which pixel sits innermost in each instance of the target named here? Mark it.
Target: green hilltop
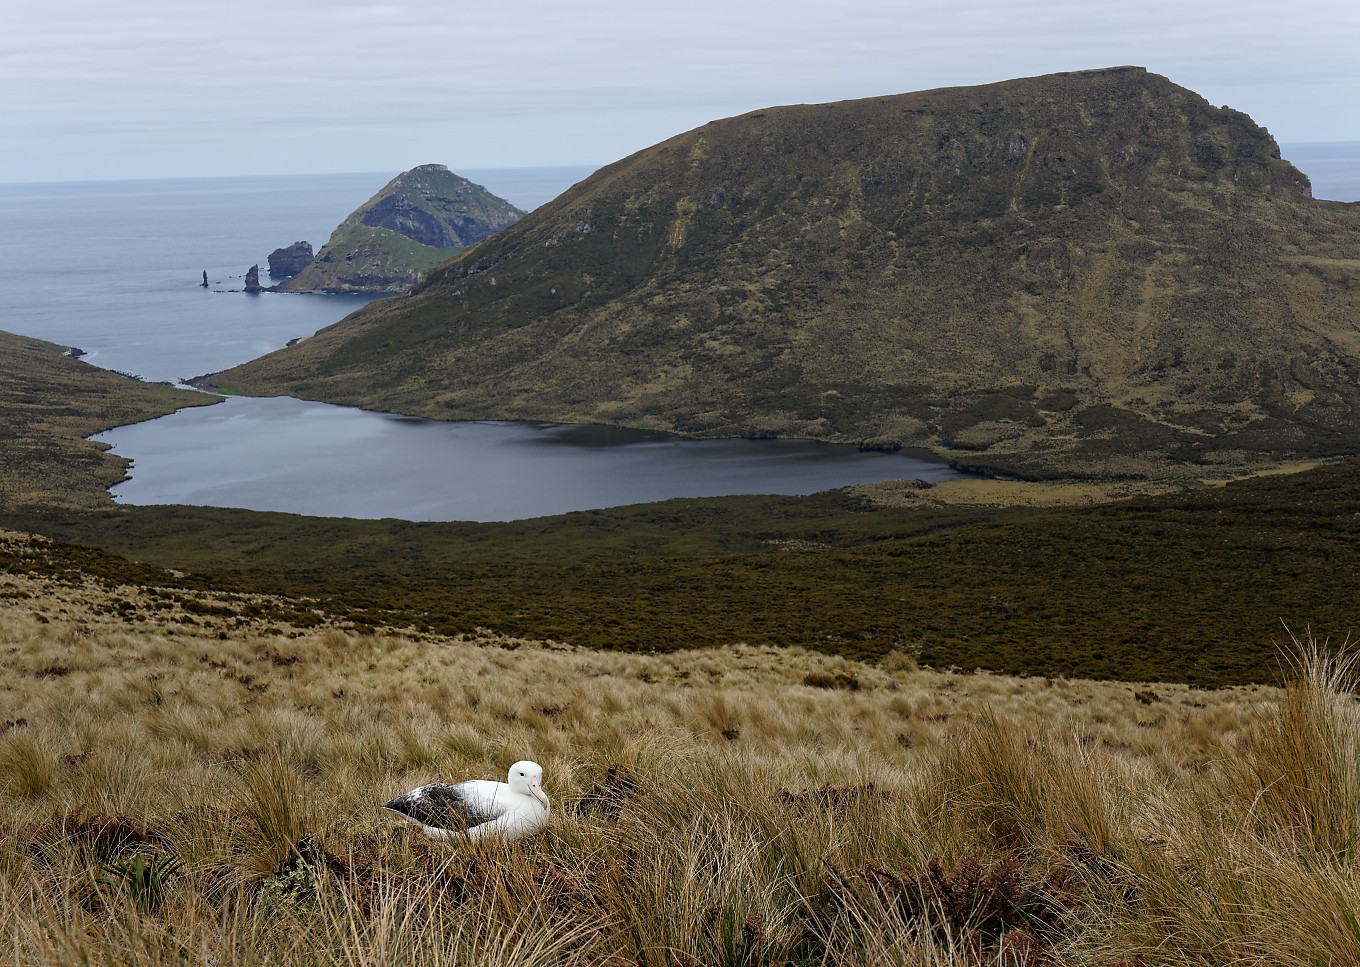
(1090, 272)
(420, 218)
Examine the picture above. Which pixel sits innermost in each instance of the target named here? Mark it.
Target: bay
(113, 268)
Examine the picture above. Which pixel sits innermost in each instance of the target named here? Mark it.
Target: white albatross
(479, 808)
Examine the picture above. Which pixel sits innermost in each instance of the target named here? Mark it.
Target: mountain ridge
(1095, 271)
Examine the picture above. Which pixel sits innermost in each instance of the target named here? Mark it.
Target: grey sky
(150, 88)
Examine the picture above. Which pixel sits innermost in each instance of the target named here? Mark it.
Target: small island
(421, 218)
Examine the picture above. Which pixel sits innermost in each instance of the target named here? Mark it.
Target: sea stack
(253, 279)
(284, 263)
(1096, 273)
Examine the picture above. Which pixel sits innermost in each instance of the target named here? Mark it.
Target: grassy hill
(1191, 587)
(420, 218)
(180, 789)
(1196, 587)
(1096, 272)
(49, 402)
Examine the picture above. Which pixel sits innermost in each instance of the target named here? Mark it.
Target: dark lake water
(310, 458)
(113, 268)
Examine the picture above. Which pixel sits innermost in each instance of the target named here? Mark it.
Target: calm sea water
(1333, 167)
(113, 268)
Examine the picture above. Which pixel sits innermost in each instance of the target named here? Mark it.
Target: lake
(311, 458)
(113, 268)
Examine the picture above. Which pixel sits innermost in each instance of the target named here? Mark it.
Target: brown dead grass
(746, 806)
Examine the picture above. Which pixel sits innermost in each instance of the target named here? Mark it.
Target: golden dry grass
(173, 796)
(988, 492)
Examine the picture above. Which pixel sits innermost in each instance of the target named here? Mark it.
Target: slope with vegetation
(1187, 587)
(420, 218)
(1086, 273)
(50, 402)
(1181, 586)
(197, 792)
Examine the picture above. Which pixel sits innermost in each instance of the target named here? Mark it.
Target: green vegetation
(1101, 592)
(49, 403)
(419, 219)
(1095, 274)
(1105, 592)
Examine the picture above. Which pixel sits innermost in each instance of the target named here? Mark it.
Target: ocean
(113, 268)
(1332, 166)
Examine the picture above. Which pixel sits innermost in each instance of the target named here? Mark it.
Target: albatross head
(526, 778)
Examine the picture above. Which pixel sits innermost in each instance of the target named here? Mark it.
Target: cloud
(542, 82)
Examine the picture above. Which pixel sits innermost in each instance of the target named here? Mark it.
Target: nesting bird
(479, 808)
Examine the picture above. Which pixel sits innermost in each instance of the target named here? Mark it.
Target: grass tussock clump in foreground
(180, 798)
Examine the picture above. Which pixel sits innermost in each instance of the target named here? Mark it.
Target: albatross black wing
(450, 806)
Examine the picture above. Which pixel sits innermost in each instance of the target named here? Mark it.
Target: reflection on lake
(310, 458)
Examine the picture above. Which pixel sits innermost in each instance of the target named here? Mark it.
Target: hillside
(49, 402)
(1095, 272)
(420, 218)
(181, 785)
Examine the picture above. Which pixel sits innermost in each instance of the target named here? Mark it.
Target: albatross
(479, 808)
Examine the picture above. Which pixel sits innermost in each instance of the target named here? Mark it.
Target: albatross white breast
(479, 808)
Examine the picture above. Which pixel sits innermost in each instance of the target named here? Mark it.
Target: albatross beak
(537, 792)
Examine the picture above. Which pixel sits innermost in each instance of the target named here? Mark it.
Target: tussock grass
(173, 797)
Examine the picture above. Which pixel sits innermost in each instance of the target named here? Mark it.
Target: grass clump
(710, 807)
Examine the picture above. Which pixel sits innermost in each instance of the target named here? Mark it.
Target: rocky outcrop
(421, 218)
(253, 279)
(287, 262)
(1088, 273)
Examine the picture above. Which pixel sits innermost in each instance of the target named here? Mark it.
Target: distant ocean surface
(1333, 167)
(113, 268)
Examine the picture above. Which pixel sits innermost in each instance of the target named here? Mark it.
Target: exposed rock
(1087, 273)
(287, 262)
(420, 218)
(253, 279)
(404, 217)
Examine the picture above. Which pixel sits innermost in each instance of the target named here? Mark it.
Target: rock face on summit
(420, 218)
(1092, 272)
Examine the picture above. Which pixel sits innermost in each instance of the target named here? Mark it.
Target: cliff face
(290, 260)
(1095, 271)
(421, 218)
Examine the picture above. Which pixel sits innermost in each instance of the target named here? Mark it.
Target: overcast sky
(149, 88)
